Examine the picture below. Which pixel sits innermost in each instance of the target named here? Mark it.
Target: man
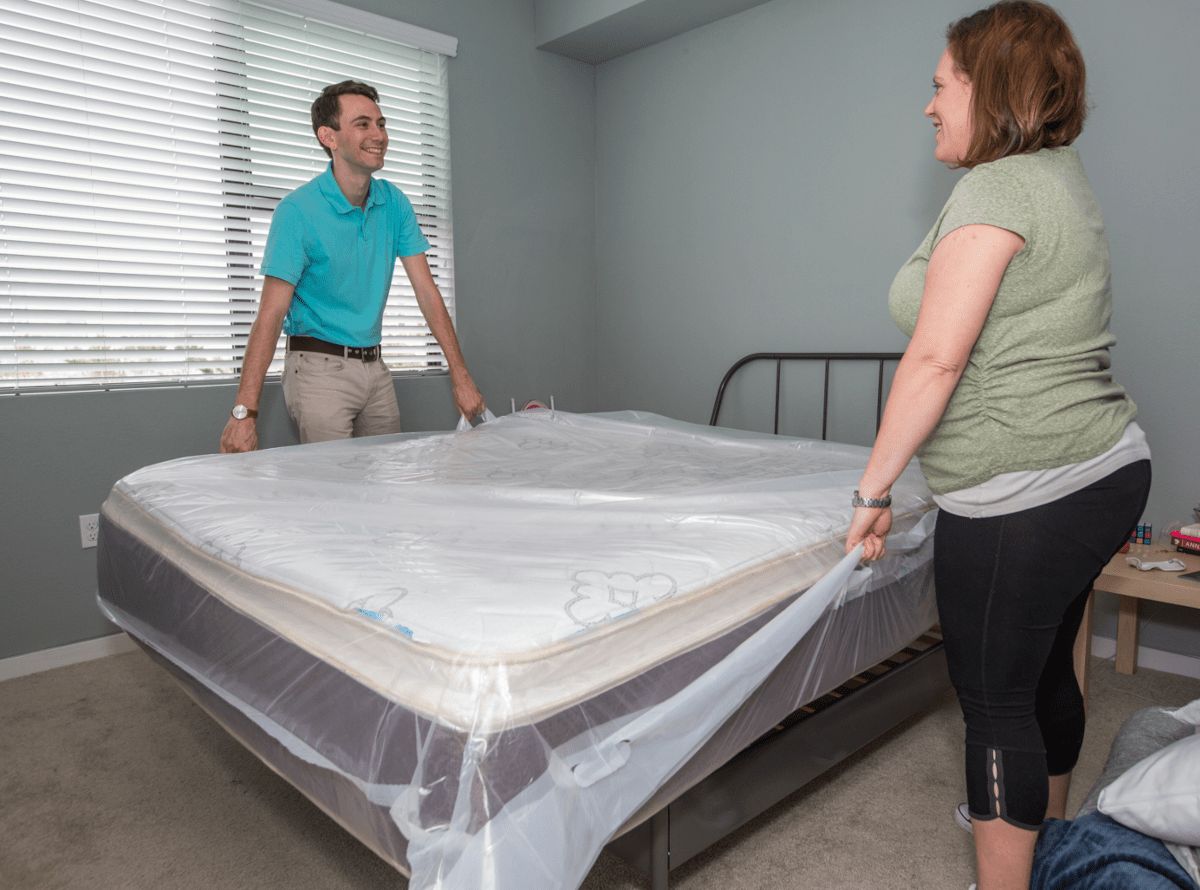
(326, 271)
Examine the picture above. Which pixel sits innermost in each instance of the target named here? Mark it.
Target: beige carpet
(110, 777)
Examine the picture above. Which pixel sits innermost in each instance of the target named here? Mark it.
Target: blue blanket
(1096, 853)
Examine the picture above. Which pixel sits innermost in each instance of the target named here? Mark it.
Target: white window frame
(69, 262)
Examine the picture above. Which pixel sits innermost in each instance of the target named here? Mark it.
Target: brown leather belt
(313, 344)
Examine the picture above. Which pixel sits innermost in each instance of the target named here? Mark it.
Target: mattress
(485, 652)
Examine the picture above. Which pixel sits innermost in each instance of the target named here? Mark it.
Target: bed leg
(660, 848)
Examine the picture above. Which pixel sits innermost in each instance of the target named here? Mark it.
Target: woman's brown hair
(1027, 79)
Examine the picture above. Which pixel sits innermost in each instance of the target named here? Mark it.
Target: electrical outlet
(89, 527)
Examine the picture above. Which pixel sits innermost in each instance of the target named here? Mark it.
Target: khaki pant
(330, 397)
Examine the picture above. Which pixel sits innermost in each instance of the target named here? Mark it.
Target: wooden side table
(1133, 585)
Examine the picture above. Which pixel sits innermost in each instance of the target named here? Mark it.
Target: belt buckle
(370, 353)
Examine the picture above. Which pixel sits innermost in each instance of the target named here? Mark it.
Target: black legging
(1011, 591)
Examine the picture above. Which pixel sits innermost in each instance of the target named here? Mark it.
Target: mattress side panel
(364, 734)
(311, 699)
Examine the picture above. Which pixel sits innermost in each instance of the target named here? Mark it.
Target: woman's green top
(1037, 392)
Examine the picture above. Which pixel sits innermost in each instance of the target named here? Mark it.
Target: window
(144, 146)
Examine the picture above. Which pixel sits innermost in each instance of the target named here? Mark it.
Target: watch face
(240, 412)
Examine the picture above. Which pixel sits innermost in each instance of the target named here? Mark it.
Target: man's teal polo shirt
(340, 257)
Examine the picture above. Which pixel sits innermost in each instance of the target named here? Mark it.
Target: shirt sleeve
(284, 256)
(410, 240)
(990, 195)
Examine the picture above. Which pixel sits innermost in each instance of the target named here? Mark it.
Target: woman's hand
(870, 525)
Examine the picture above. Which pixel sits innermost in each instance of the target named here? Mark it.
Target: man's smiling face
(361, 140)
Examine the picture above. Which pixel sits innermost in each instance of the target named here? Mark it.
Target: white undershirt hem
(1024, 489)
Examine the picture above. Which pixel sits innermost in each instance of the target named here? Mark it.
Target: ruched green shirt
(1036, 392)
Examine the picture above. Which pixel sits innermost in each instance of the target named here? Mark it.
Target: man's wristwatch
(241, 412)
(856, 501)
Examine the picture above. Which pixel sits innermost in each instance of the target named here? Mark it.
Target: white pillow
(1160, 796)
(1189, 713)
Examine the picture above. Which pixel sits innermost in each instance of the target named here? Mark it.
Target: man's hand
(239, 436)
(468, 399)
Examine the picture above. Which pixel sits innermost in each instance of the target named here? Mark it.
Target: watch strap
(856, 501)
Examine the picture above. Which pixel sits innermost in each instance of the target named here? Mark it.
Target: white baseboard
(1154, 659)
(61, 656)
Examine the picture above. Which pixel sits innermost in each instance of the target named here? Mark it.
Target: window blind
(145, 144)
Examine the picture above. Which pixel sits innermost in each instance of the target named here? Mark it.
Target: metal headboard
(827, 357)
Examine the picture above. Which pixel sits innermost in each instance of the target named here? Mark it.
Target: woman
(1004, 394)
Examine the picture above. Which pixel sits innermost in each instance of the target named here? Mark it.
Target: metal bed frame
(880, 358)
(811, 740)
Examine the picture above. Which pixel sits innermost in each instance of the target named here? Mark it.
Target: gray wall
(557, 163)
(794, 247)
(522, 150)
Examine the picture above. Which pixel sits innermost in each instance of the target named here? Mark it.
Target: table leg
(1083, 649)
(1127, 634)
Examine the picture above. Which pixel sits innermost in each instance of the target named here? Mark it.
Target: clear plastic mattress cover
(487, 579)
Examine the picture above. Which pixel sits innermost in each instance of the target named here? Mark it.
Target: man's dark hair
(327, 107)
